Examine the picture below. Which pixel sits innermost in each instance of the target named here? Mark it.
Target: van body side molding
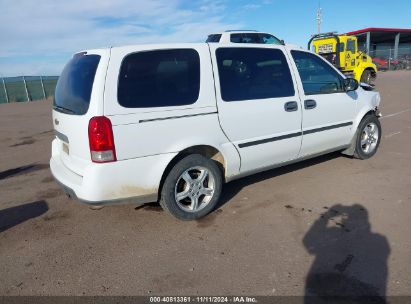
(175, 117)
(267, 140)
(291, 135)
(345, 124)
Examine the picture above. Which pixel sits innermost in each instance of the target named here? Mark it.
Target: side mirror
(350, 84)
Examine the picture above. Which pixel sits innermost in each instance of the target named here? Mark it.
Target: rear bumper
(139, 200)
(128, 181)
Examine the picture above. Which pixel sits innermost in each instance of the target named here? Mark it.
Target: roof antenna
(319, 20)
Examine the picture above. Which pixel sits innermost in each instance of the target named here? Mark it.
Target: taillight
(100, 135)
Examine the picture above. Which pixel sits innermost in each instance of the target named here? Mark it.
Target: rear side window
(160, 78)
(253, 73)
(213, 38)
(260, 38)
(73, 90)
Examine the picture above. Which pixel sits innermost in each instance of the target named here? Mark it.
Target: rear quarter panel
(74, 128)
(143, 132)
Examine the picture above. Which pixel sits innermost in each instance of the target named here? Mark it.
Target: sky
(37, 37)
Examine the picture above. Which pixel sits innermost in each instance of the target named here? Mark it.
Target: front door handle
(310, 104)
(291, 106)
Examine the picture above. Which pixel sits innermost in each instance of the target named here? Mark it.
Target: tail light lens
(100, 135)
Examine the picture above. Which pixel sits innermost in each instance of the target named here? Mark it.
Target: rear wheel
(192, 188)
(368, 138)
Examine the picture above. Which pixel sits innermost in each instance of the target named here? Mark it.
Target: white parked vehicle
(243, 36)
(174, 122)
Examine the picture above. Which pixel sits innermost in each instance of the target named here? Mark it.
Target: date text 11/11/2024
(203, 299)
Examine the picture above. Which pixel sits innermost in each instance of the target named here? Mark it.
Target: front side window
(317, 76)
(160, 78)
(253, 73)
(260, 38)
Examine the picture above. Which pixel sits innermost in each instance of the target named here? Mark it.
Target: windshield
(73, 90)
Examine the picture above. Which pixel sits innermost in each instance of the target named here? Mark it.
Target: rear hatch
(78, 97)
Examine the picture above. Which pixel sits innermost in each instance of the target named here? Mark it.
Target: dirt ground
(289, 231)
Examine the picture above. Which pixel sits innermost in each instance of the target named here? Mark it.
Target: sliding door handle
(291, 106)
(310, 104)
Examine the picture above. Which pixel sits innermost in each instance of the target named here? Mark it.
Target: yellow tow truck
(342, 51)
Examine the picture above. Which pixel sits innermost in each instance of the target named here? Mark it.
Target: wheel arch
(350, 150)
(372, 70)
(207, 151)
(362, 114)
(368, 67)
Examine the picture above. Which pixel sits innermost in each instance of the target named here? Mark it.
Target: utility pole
(319, 20)
(42, 87)
(25, 87)
(5, 89)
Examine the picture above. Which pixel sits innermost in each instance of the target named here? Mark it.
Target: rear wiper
(64, 110)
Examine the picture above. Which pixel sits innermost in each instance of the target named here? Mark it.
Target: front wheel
(192, 188)
(368, 138)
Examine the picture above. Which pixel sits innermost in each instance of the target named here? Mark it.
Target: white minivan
(174, 122)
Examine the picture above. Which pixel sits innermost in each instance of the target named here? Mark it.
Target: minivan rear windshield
(73, 90)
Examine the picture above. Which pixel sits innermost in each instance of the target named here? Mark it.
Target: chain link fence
(385, 59)
(26, 88)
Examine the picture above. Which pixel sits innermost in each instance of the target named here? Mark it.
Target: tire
(368, 137)
(366, 77)
(203, 185)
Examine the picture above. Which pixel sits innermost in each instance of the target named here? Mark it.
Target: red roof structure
(385, 42)
(379, 29)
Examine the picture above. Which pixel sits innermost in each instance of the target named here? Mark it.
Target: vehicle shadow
(13, 216)
(232, 188)
(350, 264)
(22, 170)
